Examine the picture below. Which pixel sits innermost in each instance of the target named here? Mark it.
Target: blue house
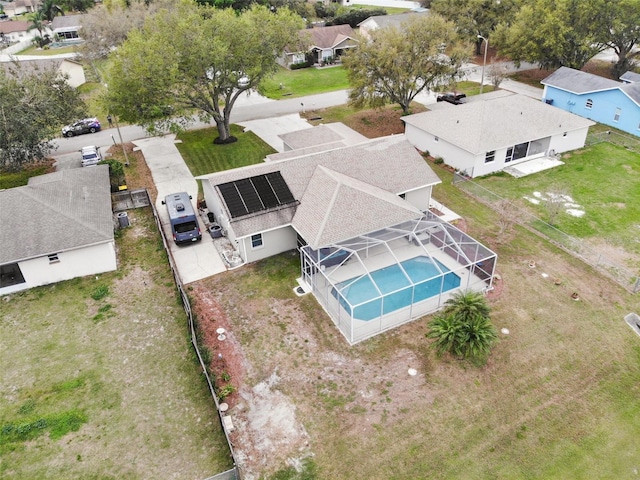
(599, 99)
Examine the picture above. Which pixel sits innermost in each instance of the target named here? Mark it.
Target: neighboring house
(16, 31)
(324, 44)
(383, 21)
(58, 227)
(630, 77)
(311, 140)
(484, 136)
(613, 103)
(67, 28)
(357, 213)
(21, 6)
(74, 71)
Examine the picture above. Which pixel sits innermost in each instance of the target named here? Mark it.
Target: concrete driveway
(171, 175)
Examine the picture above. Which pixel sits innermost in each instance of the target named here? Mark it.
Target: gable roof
(580, 83)
(328, 37)
(389, 163)
(337, 207)
(576, 81)
(482, 126)
(67, 21)
(24, 68)
(14, 26)
(56, 212)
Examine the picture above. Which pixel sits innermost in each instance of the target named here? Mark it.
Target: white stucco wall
(73, 263)
(419, 198)
(75, 73)
(273, 242)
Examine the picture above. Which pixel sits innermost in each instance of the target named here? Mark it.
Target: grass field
(305, 81)
(98, 379)
(602, 179)
(558, 399)
(202, 156)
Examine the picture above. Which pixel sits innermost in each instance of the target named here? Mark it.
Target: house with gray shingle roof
(57, 227)
(602, 100)
(387, 164)
(67, 28)
(484, 136)
(387, 21)
(322, 44)
(70, 69)
(371, 251)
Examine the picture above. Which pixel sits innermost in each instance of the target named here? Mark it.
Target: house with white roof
(57, 227)
(371, 252)
(603, 100)
(490, 133)
(67, 28)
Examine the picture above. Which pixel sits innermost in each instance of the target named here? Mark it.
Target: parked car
(86, 125)
(91, 156)
(451, 97)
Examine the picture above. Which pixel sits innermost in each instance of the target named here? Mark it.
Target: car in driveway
(86, 125)
(452, 97)
(91, 156)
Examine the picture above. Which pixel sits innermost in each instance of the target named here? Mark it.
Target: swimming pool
(398, 291)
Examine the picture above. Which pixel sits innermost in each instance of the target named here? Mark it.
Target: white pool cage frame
(330, 270)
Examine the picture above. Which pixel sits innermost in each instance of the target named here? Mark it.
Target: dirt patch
(372, 123)
(137, 174)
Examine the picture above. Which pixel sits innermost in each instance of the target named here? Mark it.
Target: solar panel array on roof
(255, 194)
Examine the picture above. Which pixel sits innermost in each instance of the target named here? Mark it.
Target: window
(490, 156)
(589, 104)
(53, 258)
(616, 116)
(509, 155)
(256, 241)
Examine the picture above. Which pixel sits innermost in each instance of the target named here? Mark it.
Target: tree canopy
(620, 30)
(196, 58)
(553, 33)
(32, 108)
(399, 63)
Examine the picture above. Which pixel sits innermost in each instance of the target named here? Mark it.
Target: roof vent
(179, 207)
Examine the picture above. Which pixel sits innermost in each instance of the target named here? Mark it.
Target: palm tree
(463, 328)
(50, 10)
(38, 23)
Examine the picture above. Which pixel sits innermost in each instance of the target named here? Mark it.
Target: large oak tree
(33, 106)
(400, 62)
(196, 59)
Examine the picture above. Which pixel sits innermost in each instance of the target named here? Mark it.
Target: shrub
(100, 292)
(438, 160)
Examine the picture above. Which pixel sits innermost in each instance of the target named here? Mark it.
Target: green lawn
(389, 10)
(305, 81)
(48, 52)
(202, 156)
(603, 180)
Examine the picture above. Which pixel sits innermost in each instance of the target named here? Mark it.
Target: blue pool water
(423, 272)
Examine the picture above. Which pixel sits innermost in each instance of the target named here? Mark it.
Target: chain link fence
(626, 141)
(576, 247)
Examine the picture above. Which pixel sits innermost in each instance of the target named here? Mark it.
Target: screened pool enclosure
(374, 282)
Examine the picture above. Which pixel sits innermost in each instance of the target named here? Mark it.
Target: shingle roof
(481, 126)
(389, 163)
(67, 21)
(56, 212)
(321, 135)
(337, 207)
(576, 81)
(14, 26)
(383, 21)
(24, 68)
(327, 37)
(631, 77)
